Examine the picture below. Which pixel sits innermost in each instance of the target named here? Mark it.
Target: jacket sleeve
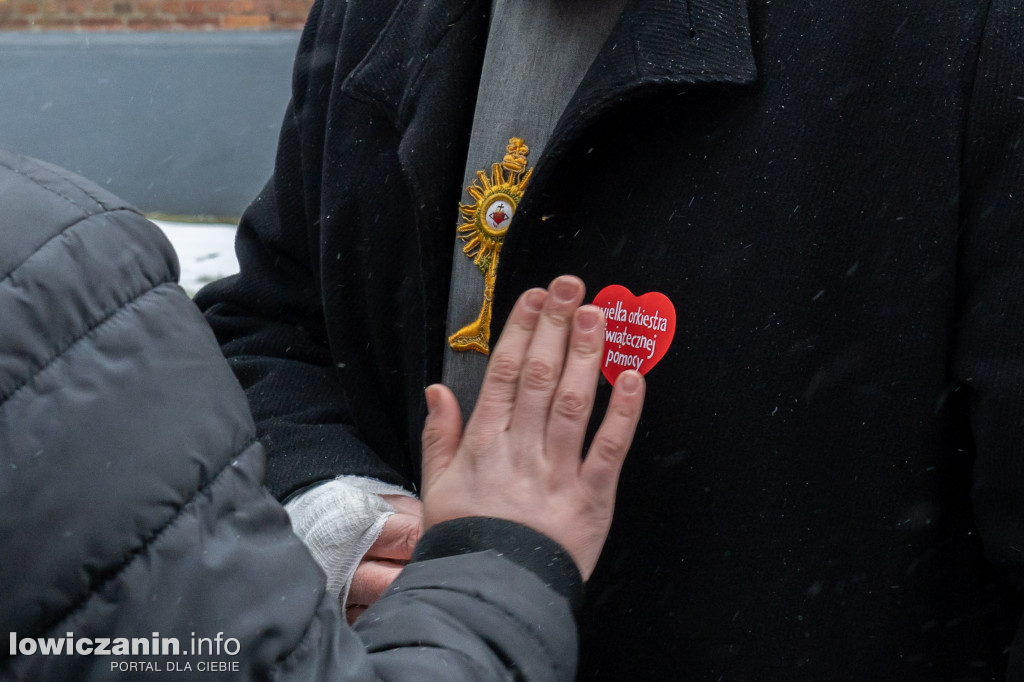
(269, 319)
(989, 355)
(131, 497)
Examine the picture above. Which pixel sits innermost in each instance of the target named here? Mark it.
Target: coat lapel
(422, 73)
(656, 45)
(392, 71)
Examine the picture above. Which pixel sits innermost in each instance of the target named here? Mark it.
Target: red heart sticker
(638, 329)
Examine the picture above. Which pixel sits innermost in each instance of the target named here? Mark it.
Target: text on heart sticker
(638, 329)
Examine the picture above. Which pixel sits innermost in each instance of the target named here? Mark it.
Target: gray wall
(180, 123)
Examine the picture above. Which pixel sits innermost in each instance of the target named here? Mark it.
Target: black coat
(131, 500)
(828, 480)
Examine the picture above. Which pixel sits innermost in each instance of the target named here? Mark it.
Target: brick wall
(151, 15)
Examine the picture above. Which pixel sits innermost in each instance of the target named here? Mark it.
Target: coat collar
(655, 44)
(658, 45)
(391, 72)
(668, 42)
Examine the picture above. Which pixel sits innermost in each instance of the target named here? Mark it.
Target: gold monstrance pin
(483, 228)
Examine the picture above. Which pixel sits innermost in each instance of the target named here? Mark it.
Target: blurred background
(173, 105)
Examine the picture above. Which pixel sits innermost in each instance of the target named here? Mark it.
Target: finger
(404, 504)
(442, 430)
(498, 392)
(397, 539)
(369, 581)
(545, 357)
(574, 398)
(600, 470)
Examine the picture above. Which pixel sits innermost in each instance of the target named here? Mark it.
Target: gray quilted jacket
(131, 504)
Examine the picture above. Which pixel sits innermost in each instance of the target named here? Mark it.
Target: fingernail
(629, 382)
(564, 289)
(431, 395)
(534, 300)
(586, 319)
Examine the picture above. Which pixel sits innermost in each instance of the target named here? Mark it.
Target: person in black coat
(827, 480)
(133, 515)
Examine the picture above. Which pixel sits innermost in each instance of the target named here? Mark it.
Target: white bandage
(338, 521)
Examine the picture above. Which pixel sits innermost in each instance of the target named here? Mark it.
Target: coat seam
(66, 198)
(74, 181)
(121, 308)
(398, 112)
(409, 95)
(131, 555)
(972, 92)
(61, 233)
(384, 32)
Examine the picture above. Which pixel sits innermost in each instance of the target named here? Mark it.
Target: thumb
(441, 432)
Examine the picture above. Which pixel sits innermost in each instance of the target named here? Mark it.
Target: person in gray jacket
(137, 536)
